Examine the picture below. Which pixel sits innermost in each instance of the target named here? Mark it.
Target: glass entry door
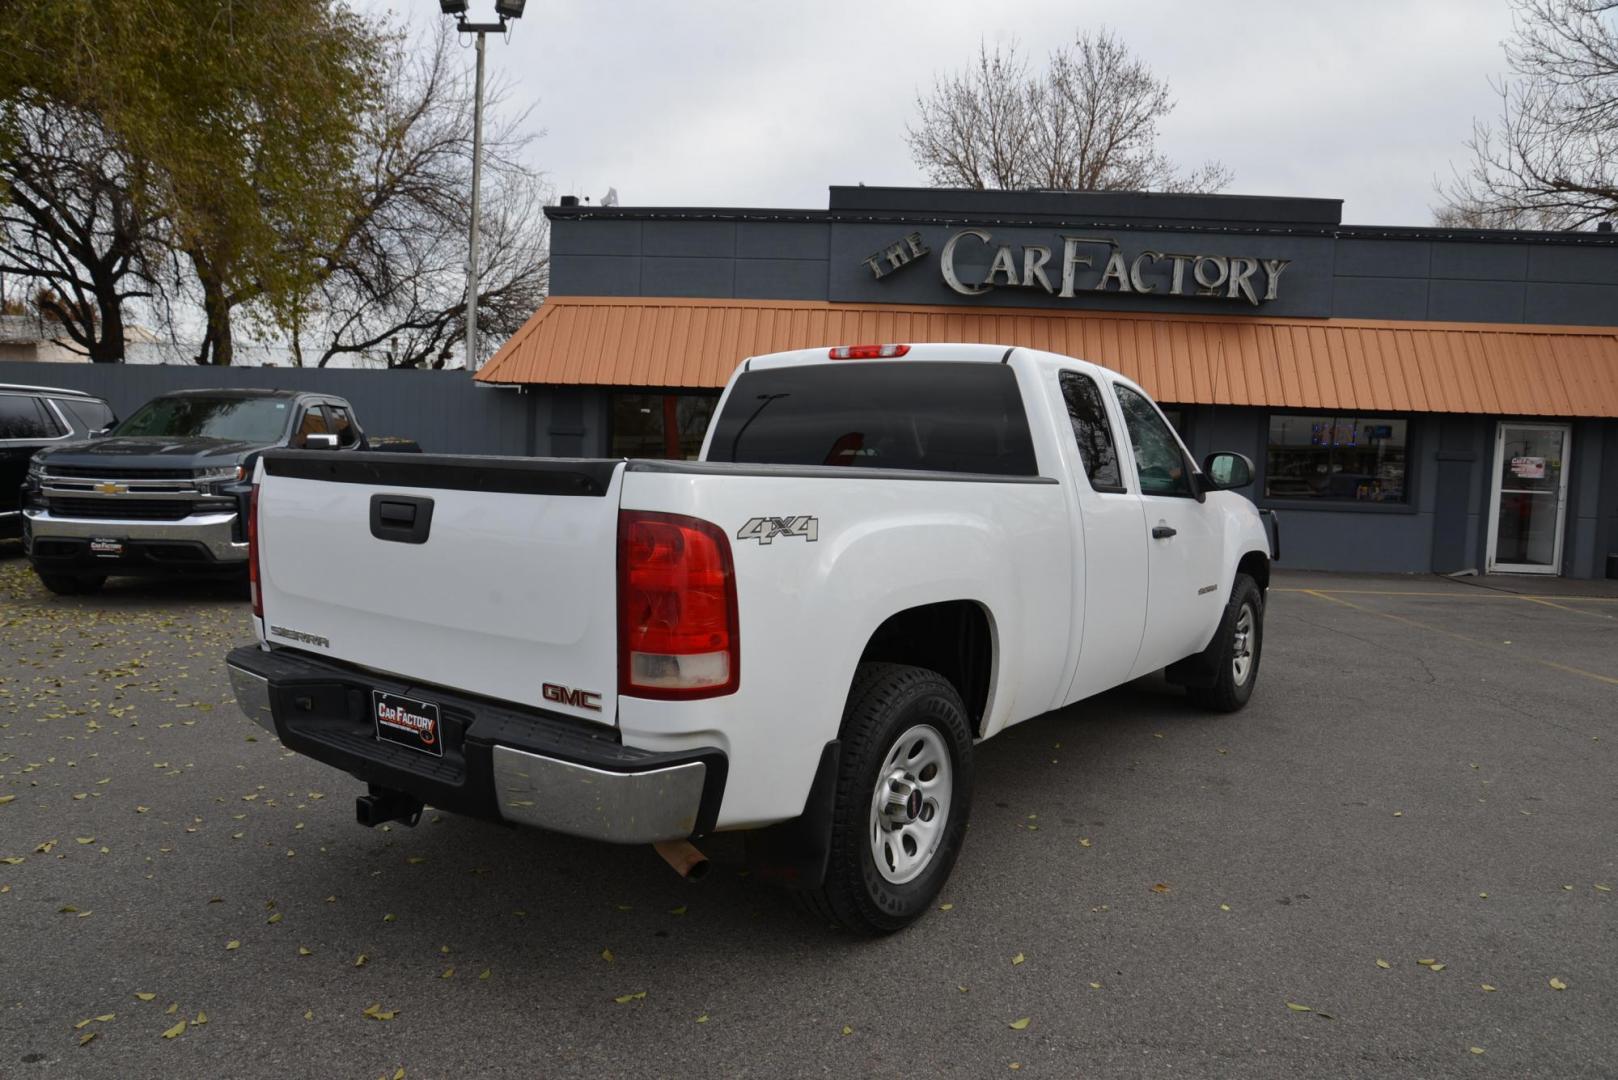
(1529, 499)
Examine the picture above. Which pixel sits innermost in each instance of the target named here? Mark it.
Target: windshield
(260, 420)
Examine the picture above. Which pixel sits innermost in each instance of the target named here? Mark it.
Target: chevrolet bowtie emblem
(113, 489)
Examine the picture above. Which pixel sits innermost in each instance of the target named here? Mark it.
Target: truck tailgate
(495, 576)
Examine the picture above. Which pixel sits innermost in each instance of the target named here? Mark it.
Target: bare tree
(69, 222)
(397, 283)
(1550, 158)
(1087, 121)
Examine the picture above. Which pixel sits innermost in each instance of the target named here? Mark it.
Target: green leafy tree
(245, 117)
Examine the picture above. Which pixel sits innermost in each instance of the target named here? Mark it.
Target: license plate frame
(407, 721)
(106, 547)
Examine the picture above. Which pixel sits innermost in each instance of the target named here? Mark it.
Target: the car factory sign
(1075, 265)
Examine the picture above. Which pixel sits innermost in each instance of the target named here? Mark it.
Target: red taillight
(253, 586)
(677, 632)
(867, 352)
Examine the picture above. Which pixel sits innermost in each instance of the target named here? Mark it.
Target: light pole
(505, 9)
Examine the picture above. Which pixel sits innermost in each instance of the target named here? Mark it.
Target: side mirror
(318, 440)
(1225, 470)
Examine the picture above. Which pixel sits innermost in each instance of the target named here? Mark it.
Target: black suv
(33, 418)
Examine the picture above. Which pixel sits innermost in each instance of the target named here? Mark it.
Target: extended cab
(166, 491)
(884, 555)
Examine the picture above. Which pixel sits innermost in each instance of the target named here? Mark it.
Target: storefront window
(1336, 458)
(660, 425)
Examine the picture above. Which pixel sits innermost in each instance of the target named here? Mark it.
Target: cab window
(313, 423)
(1092, 431)
(1159, 461)
(341, 425)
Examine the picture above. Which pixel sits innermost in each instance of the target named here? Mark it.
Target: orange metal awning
(1354, 365)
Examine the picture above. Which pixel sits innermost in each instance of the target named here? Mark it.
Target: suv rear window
(946, 417)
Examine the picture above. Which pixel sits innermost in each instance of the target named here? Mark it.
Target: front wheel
(1237, 647)
(904, 794)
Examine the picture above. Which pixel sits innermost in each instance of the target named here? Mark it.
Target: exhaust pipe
(383, 805)
(687, 861)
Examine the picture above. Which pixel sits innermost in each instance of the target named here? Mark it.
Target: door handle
(1163, 532)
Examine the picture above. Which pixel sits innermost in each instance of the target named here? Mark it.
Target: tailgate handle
(403, 519)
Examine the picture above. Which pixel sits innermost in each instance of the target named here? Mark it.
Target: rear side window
(25, 418)
(1092, 430)
(88, 414)
(946, 417)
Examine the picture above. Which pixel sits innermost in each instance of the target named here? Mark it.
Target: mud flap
(794, 853)
(1202, 670)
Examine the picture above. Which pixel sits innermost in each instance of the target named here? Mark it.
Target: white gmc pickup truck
(884, 555)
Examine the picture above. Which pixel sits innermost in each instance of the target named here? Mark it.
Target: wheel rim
(910, 805)
(1241, 650)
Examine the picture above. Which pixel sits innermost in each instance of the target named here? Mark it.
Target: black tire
(71, 584)
(1233, 684)
(886, 702)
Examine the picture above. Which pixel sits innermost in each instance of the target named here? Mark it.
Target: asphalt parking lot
(1426, 773)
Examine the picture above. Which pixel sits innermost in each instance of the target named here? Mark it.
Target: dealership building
(1414, 399)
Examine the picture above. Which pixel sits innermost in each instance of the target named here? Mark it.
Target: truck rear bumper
(500, 761)
(189, 544)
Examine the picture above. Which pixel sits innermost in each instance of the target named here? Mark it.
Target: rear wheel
(904, 794)
(1239, 641)
(72, 584)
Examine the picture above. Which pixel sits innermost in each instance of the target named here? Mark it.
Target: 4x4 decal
(766, 529)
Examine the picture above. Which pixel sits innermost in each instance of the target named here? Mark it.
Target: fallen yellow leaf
(1487, 989)
(946, 907)
(681, 910)
(1161, 887)
(1018, 1025)
(847, 1030)
(304, 951)
(1475, 1049)
(1295, 1007)
(625, 999)
(7, 798)
(449, 973)
(606, 954)
(173, 1008)
(105, 1017)
(230, 945)
(1426, 963)
(485, 975)
(309, 1014)
(1095, 986)
(703, 1019)
(202, 1018)
(177, 1029)
(1383, 963)
(1557, 984)
(85, 839)
(144, 996)
(1084, 841)
(273, 919)
(1015, 960)
(359, 961)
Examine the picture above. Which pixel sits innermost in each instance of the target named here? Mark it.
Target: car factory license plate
(407, 722)
(105, 547)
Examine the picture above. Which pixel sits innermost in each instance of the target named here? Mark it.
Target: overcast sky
(710, 103)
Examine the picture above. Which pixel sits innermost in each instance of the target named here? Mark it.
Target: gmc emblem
(566, 695)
